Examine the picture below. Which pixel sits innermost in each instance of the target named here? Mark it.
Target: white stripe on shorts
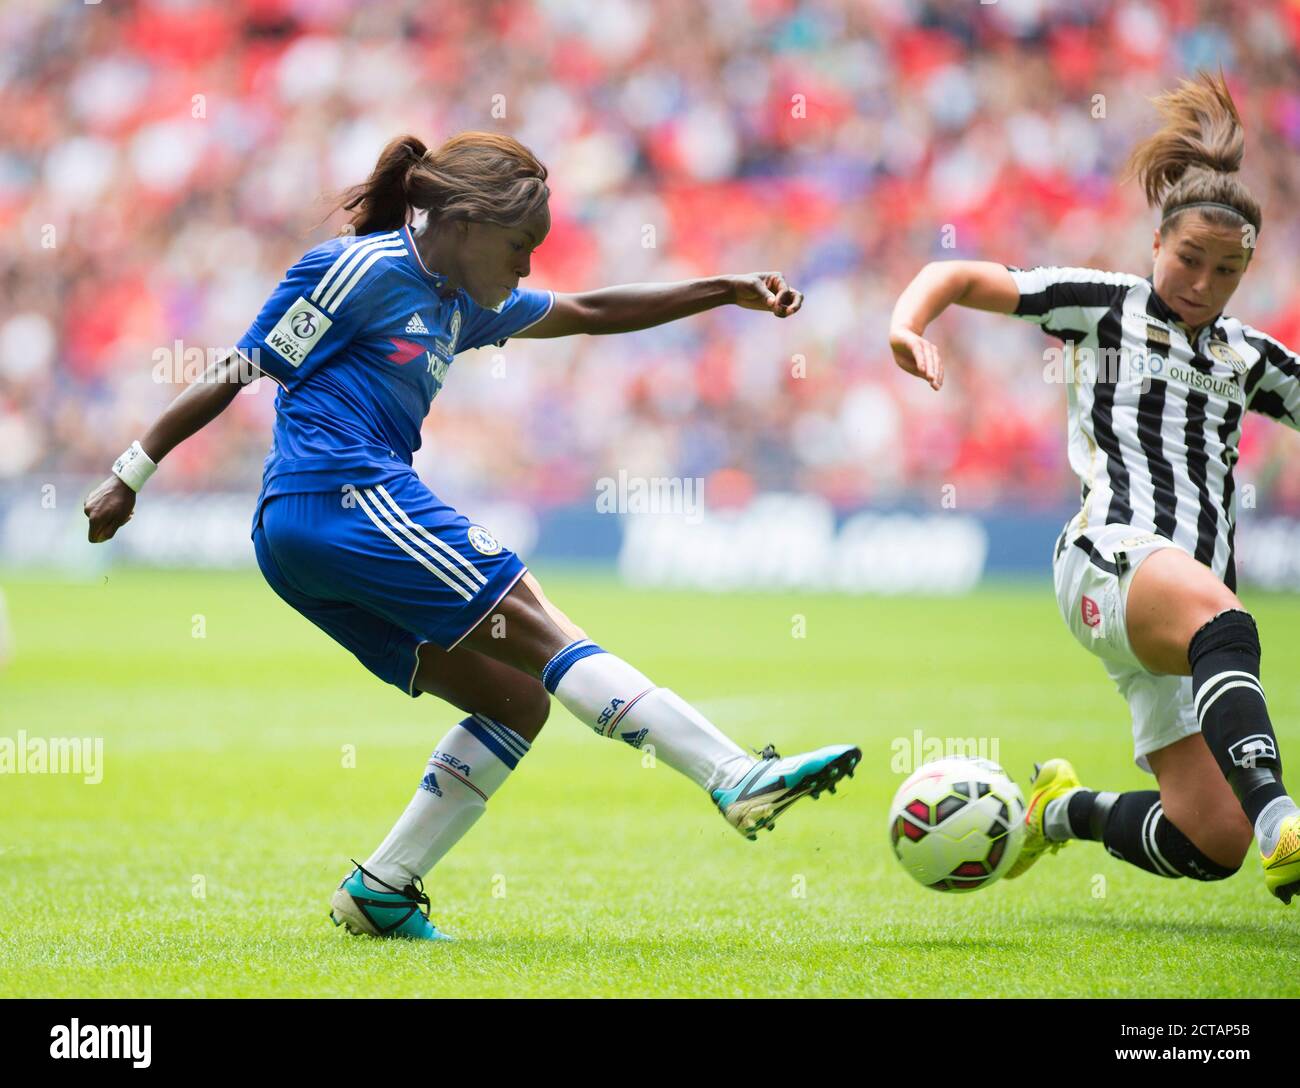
(437, 556)
(473, 571)
(412, 552)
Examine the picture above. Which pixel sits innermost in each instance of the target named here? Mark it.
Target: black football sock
(1087, 812)
(1224, 657)
(1134, 828)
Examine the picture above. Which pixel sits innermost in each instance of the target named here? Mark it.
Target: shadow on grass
(1273, 932)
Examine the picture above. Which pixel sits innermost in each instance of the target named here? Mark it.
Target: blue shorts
(383, 569)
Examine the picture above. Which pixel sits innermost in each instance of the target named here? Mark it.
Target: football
(957, 824)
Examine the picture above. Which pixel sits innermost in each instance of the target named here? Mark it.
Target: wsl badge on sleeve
(297, 332)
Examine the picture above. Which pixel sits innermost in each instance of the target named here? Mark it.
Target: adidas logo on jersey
(416, 324)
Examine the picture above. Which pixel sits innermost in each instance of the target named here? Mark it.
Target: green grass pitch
(244, 767)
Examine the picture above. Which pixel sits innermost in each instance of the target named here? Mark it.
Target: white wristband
(134, 467)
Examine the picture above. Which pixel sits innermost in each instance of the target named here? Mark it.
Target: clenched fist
(109, 507)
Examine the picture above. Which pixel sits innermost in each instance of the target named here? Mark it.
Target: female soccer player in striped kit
(359, 335)
(1144, 572)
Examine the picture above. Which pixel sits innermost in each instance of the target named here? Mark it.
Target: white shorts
(1092, 571)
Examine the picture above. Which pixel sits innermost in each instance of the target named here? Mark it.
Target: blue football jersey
(359, 336)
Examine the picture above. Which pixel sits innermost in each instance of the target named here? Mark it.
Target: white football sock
(468, 766)
(1056, 818)
(616, 700)
(1268, 828)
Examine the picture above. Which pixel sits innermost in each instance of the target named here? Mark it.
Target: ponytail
(476, 175)
(1191, 161)
(380, 202)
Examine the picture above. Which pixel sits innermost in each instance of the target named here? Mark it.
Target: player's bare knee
(1238, 835)
(527, 710)
(1213, 599)
(1240, 848)
(1222, 834)
(535, 708)
(1228, 846)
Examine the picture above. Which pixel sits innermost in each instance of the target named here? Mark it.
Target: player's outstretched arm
(633, 306)
(982, 285)
(112, 503)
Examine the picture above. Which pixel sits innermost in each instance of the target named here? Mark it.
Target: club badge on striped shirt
(1225, 354)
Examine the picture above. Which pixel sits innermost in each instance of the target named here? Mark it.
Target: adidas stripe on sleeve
(319, 306)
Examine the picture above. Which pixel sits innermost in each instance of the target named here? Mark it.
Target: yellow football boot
(1282, 867)
(1051, 780)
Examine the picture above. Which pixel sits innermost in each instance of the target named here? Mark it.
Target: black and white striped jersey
(1155, 418)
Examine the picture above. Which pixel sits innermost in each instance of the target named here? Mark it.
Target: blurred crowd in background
(163, 162)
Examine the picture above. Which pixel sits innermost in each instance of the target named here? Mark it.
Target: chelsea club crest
(483, 541)
(453, 332)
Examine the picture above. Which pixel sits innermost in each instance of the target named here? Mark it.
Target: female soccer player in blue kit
(359, 336)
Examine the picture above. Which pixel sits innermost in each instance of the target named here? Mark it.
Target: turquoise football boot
(390, 913)
(774, 784)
